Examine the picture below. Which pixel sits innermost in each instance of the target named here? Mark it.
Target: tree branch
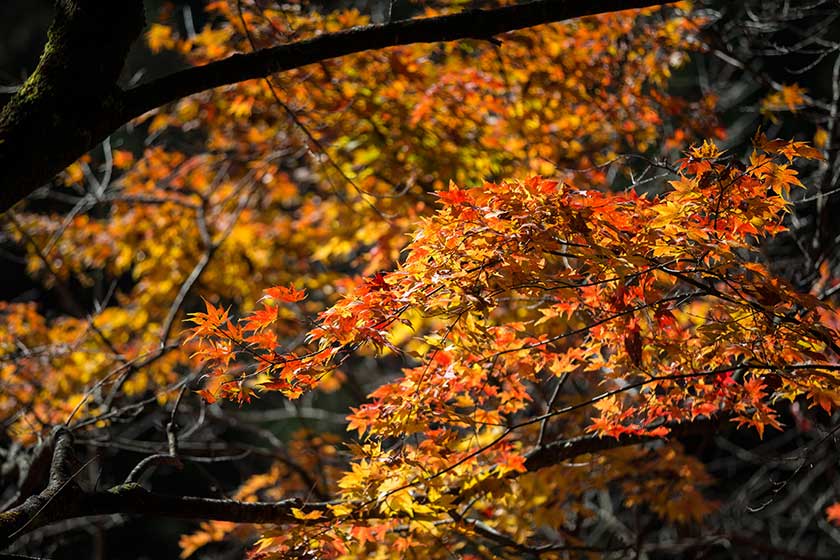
(134, 499)
(131, 498)
(72, 101)
(62, 499)
(43, 508)
(563, 450)
(469, 24)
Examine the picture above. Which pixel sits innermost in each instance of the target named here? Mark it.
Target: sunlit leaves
(789, 97)
(653, 302)
(159, 37)
(447, 210)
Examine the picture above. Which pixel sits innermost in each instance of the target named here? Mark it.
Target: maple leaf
(207, 396)
(454, 196)
(281, 293)
(300, 514)
(123, 159)
(832, 512)
(789, 96)
(262, 318)
(159, 37)
(363, 533)
(209, 322)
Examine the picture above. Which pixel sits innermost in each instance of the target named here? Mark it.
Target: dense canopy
(472, 280)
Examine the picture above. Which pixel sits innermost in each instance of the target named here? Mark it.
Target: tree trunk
(71, 101)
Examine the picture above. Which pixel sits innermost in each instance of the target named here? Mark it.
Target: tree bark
(71, 101)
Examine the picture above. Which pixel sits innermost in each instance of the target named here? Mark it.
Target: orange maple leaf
(281, 293)
(832, 512)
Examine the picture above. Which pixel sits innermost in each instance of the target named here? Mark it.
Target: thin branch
(171, 457)
(550, 406)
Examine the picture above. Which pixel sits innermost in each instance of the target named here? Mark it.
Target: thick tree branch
(46, 507)
(6, 94)
(563, 450)
(470, 24)
(134, 499)
(72, 101)
(62, 499)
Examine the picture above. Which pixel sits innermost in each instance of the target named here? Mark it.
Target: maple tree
(474, 295)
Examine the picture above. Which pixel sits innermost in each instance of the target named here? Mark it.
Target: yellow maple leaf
(300, 514)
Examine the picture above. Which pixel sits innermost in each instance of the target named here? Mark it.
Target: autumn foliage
(452, 242)
(652, 302)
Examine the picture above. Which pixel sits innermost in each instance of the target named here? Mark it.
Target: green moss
(9, 517)
(9, 522)
(72, 100)
(126, 489)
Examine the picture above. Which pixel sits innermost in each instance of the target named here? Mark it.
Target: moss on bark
(72, 100)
